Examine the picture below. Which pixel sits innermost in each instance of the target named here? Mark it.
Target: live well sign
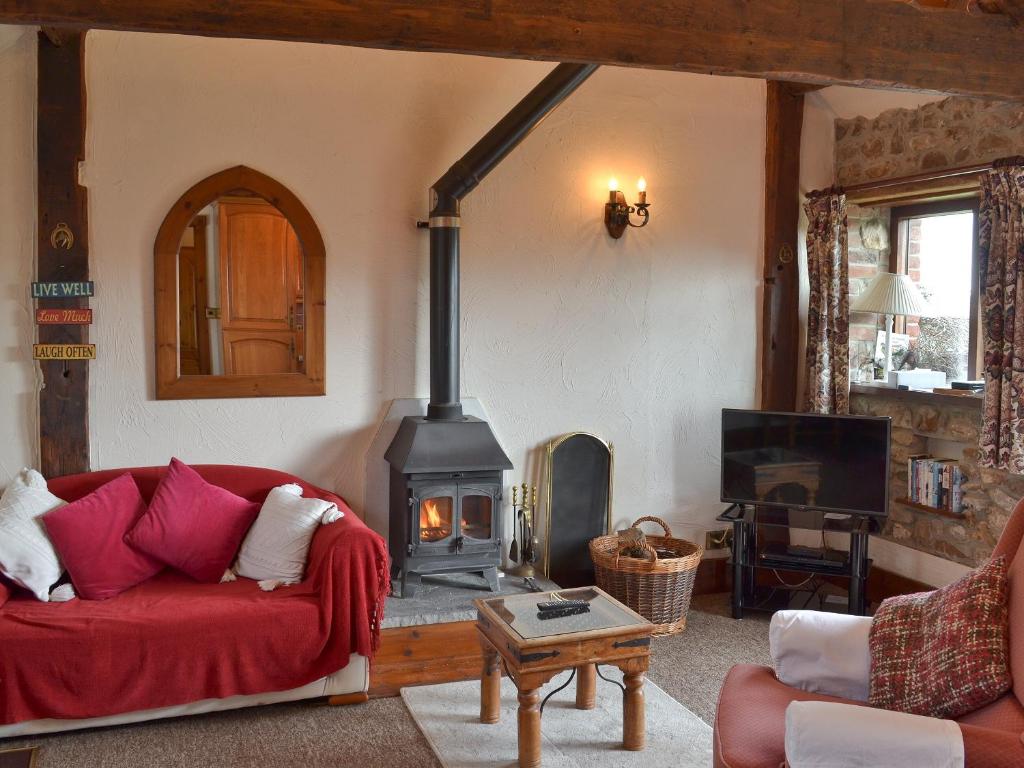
(62, 290)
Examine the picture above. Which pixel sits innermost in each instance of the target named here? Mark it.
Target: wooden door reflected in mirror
(239, 292)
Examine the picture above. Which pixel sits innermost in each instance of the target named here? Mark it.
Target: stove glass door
(477, 515)
(436, 518)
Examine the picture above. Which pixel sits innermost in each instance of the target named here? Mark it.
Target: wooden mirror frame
(170, 384)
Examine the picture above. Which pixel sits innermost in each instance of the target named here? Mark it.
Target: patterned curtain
(828, 307)
(1001, 252)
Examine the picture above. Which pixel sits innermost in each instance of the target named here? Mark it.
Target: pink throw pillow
(193, 526)
(88, 534)
(943, 653)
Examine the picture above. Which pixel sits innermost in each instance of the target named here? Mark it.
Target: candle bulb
(613, 188)
(641, 188)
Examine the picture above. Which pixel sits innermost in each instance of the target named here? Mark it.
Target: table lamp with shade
(890, 295)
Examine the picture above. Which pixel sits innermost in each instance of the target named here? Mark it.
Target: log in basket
(659, 585)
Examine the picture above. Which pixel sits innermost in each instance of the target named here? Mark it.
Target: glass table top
(520, 613)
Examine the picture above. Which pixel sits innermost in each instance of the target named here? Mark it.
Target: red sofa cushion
(192, 525)
(943, 653)
(5, 592)
(88, 534)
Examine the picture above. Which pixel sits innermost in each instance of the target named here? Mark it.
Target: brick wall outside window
(865, 264)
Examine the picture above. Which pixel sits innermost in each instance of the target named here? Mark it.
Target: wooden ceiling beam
(880, 43)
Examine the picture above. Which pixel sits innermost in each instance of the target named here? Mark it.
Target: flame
(430, 517)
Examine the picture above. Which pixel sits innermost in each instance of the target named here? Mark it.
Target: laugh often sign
(64, 351)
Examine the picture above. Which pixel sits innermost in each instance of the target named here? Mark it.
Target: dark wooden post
(780, 331)
(64, 399)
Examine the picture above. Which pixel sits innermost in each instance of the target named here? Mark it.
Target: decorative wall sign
(64, 316)
(64, 351)
(62, 290)
(62, 237)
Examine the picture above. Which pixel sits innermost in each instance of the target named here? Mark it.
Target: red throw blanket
(171, 641)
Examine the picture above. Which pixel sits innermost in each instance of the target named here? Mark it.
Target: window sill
(973, 401)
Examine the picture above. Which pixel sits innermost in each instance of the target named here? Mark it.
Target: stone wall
(937, 136)
(868, 247)
(989, 495)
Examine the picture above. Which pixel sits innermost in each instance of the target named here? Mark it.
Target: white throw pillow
(822, 652)
(277, 544)
(26, 555)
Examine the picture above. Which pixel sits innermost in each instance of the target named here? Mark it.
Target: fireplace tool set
(525, 545)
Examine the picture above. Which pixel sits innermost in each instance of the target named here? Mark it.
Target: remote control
(569, 610)
(555, 604)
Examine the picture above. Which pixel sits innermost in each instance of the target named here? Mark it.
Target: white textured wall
(642, 340)
(18, 399)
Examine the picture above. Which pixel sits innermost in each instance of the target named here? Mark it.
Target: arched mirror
(239, 292)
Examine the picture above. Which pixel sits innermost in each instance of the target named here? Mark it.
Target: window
(936, 244)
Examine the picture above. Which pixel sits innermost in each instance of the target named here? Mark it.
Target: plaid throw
(943, 653)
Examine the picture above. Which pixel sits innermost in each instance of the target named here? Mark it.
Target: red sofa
(172, 646)
(750, 722)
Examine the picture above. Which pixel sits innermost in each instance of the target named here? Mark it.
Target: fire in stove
(435, 519)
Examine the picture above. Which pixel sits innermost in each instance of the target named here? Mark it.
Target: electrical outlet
(720, 539)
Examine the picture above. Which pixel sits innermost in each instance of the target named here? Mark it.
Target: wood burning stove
(446, 469)
(445, 522)
(445, 500)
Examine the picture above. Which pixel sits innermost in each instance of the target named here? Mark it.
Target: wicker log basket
(658, 585)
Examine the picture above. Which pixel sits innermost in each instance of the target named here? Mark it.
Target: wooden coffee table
(534, 651)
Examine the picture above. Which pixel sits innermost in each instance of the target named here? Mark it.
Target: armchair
(812, 708)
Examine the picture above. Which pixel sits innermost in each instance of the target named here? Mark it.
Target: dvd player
(777, 554)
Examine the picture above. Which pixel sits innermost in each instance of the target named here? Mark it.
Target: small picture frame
(900, 349)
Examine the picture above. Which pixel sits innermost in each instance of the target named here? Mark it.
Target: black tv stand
(751, 557)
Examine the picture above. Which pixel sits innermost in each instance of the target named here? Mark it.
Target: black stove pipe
(445, 195)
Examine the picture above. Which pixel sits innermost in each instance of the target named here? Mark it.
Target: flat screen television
(806, 461)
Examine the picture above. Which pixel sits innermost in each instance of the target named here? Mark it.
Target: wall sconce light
(617, 212)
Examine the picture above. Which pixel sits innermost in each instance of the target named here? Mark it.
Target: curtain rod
(952, 173)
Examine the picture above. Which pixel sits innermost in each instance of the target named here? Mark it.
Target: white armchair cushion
(822, 652)
(822, 734)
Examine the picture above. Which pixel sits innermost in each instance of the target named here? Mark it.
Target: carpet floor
(689, 667)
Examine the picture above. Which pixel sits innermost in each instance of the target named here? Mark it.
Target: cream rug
(449, 717)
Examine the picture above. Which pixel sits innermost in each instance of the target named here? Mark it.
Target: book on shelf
(935, 482)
